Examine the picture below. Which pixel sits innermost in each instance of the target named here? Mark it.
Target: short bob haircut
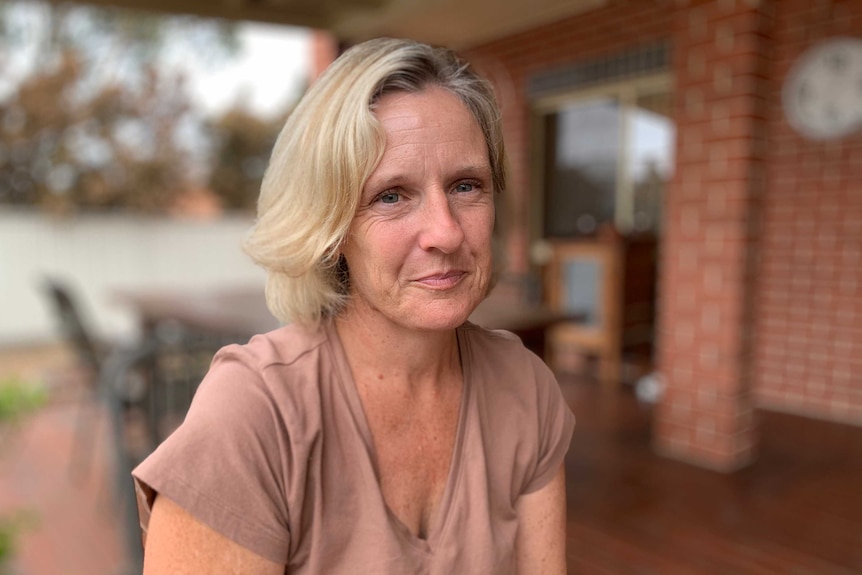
(323, 157)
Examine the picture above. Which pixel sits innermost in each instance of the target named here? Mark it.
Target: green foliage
(243, 143)
(112, 41)
(114, 148)
(18, 397)
(10, 529)
(99, 121)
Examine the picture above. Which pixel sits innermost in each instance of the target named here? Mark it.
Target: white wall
(98, 254)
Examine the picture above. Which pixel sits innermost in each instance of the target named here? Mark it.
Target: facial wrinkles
(407, 129)
(443, 156)
(423, 159)
(428, 167)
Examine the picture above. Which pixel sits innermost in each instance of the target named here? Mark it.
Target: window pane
(650, 159)
(582, 280)
(582, 143)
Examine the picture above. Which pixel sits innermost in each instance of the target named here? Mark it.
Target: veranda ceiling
(450, 22)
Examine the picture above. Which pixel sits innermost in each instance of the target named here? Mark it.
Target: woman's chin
(421, 312)
(440, 316)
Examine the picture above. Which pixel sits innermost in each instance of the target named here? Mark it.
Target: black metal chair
(168, 368)
(148, 388)
(80, 339)
(72, 324)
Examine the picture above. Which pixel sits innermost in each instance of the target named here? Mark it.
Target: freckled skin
(419, 254)
(419, 248)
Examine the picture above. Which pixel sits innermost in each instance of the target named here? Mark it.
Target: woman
(379, 431)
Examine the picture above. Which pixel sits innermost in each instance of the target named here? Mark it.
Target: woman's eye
(389, 198)
(465, 187)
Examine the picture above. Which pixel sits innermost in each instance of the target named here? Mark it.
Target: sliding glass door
(605, 157)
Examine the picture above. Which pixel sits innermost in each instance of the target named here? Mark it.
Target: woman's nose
(440, 227)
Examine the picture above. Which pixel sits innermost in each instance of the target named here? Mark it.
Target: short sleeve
(556, 424)
(226, 464)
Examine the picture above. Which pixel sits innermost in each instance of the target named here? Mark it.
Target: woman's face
(419, 247)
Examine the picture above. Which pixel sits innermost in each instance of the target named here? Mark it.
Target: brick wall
(704, 351)
(323, 49)
(711, 235)
(762, 257)
(511, 62)
(809, 297)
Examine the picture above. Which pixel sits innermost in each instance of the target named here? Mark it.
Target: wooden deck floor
(798, 510)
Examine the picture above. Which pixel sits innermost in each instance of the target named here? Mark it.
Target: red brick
(744, 177)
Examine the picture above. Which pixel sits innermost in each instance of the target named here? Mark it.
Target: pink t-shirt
(276, 454)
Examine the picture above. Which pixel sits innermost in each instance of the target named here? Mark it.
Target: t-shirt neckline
(348, 388)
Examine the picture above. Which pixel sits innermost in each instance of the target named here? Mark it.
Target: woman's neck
(379, 351)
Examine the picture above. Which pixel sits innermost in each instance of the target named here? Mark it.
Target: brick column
(706, 283)
(324, 49)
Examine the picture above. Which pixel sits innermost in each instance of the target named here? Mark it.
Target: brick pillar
(706, 286)
(324, 50)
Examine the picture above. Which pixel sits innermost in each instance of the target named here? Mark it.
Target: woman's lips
(443, 280)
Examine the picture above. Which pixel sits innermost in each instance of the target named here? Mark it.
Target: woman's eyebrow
(472, 169)
(384, 182)
(395, 179)
(476, 168)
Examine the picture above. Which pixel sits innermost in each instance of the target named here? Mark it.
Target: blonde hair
(323, 157)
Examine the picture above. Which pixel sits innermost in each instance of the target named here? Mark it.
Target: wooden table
(242, 312)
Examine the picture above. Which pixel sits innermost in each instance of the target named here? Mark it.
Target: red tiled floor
(72, 525)
(71, 522)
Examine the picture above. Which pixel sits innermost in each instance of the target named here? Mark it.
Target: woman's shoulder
(274, 378)
(284, 346)
(279, 367)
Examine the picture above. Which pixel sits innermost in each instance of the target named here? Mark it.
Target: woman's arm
(179, 544)
(541, 542)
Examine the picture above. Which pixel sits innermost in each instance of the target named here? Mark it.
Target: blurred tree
(90, 114)
(242, 145)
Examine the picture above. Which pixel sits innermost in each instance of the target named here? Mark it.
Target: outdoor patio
(70, 515)
(797, 510)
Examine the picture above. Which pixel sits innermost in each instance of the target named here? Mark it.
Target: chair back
(72, 324)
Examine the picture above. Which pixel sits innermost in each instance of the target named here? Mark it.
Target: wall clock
(822, 94)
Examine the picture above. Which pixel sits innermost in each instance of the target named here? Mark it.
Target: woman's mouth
(442, 280)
